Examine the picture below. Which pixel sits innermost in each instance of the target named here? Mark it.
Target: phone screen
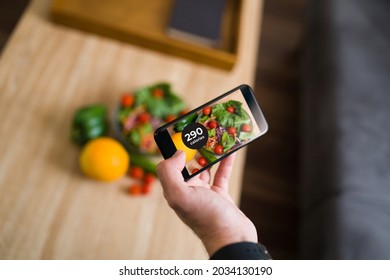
(216, 129)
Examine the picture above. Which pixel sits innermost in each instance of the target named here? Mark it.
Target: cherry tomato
(207, 110)
(147, 188)
(127, 100)
(135, 189)
(202, 161)
(218, 149)
(137, 172)
(212, 124)
(144, 117)
(230, 109)
(158, 93)
(195, 170)
(246, 128)
(232, 130)
(170, 118)
(149, 179)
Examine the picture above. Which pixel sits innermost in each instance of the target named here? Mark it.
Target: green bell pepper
(88, 123)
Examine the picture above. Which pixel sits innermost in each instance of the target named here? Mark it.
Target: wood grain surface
(48, 210)
(145, 23)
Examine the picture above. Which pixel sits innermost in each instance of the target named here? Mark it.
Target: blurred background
(317, 184)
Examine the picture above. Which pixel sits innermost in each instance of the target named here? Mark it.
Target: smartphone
(213, 131)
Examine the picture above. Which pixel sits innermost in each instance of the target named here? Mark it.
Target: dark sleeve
(242, 251)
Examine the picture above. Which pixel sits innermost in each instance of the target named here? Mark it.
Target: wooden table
(48, 210)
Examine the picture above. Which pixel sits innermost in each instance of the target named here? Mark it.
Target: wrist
(242, 251)
(214, 242)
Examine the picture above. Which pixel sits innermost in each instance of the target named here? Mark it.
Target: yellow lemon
(104, 159)
(190, 153)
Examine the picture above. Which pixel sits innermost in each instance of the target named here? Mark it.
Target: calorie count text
(195, 136)
(193, 133)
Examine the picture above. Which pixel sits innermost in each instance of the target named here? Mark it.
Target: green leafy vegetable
(169, 104)
(123, 113)
(203, 118)
(236, 104)
(227, 119)
(134, 137)
(245, 135)
(212, 132)
(227, 141)
(151, 107)
(226, 116)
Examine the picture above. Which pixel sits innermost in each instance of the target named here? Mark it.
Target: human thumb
(170, 169)
(178, 160)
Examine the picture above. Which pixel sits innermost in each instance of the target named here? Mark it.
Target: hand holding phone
(205, 206)
(214, 130)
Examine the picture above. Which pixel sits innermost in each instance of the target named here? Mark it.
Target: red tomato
(137, 172)
(149, 179)
(212, 124)
(127, 100)
(218, 149)
(246, 128)
(170, 118)
(144, 117)
(230, 109)
(135, 189)
(147, 188)
(195, 170)
(202, 161)
(158, 93)
(232, 130)
(207, 110)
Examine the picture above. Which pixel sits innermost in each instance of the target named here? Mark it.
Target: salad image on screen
(228, 125)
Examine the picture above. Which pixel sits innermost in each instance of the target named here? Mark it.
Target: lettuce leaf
(169, 104)
(211, 132)
(227, 141)
(245, 136)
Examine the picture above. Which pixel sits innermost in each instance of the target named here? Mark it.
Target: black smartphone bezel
(168, 148)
